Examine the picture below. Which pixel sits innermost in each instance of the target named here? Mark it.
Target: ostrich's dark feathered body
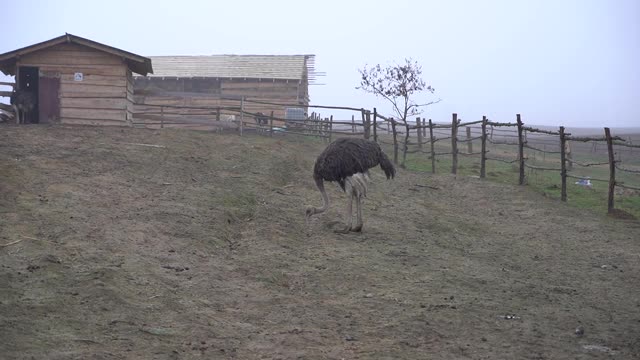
(346, 157)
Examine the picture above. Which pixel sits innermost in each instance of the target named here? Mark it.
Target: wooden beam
(454, 143)
(563, 165)
(612, 170)
(520, 149)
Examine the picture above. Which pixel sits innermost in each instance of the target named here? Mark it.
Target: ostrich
(23, 103)
(348, 161)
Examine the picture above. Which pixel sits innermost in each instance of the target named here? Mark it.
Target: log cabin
(74, 80)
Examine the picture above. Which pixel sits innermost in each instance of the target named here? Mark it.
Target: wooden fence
(409, 138)
(487, 129)
(7, 112)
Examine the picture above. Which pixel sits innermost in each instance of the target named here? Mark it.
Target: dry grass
(200, 249)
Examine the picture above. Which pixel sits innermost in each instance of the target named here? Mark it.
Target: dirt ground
(198, 248)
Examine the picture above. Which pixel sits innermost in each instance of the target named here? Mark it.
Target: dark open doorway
(28, 77)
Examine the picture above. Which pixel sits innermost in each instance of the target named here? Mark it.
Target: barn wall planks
(95, 114)
(193, 93)
(104, 96)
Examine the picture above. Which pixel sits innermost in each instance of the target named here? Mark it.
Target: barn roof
(290, 67)
(138, 64)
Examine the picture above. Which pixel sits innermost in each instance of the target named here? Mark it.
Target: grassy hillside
(132, 243)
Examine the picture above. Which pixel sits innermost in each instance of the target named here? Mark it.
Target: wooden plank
(85, 69)
(259, 85)
(85, 103)
(432, 144)
(85, 53)
(92, 77)
(98, 80)
(454, 143)
(6, 93)
(289, 95)
(483, 158)
(93, 114)
(112, 91)
(71, 59)
(612, 171)
(520, 150)
(563, 165)
(77, 121)
(78, 56)
(96, 95)
(71, 47)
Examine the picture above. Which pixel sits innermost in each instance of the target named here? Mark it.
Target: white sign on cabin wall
(78, 77)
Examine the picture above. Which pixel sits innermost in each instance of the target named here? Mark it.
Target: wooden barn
(190, 85)
(73, 80)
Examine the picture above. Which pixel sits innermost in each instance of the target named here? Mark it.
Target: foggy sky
(565, 62)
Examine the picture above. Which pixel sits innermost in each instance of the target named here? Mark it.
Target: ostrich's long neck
(325, 197)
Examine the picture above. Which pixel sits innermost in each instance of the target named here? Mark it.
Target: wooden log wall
(201, 96)
(100, 98)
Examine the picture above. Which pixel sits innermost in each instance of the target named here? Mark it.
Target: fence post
(454, 144)
(271, 124)
(395, 141)
(483, 156)
(325, 126)
(563, 165)
(406, 144)
(353, 123)
(368, 117)
(520, 150)
(375, 125)
(330, 127)
(161, 117)
(433, 147)
(241, 114)
(469, 144)
(365, 129)
(419, 128)
(612, 170)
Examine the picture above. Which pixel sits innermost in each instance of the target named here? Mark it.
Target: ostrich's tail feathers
(387, 166)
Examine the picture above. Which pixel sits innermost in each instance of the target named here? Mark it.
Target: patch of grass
(240, 205)
(276, 279)
(544, 182)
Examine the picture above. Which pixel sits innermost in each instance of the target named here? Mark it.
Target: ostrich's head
(311, 211)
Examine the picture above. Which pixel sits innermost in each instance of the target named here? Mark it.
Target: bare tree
(398, 84)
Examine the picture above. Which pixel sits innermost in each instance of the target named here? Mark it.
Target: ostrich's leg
(349, 217)
(358, 226)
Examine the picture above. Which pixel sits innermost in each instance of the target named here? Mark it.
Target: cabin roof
(289, 67)
(136, 63)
